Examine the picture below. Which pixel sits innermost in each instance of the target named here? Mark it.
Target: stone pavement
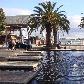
(14, 72)
(16, 77)
(6, 52)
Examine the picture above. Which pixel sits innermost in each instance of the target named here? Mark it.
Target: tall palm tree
(47, 18)
(62, 24)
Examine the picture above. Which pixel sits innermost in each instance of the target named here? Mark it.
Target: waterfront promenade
(68, 47)
(10, 60)
(18, 66)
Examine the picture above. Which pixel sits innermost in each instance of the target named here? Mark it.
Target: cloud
(75, 31)
(74, 20)
(16, 11)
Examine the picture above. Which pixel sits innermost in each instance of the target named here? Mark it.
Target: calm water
(68, 64)
(75, 69)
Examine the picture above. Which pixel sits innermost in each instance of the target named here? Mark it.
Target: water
(75, 67)
(63, 67)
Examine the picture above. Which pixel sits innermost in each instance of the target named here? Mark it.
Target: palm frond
(53, 6)
(64, 24)
(61, 12)
(42, 28)
(63, 15)
(59, 8)
(44, 7)
(38, 10)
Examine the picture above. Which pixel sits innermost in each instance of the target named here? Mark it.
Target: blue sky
(73, 9)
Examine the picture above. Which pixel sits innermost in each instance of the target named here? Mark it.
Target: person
(13, 44)
(9, 44)
(65, 46)
(58, 46)
(59, 43)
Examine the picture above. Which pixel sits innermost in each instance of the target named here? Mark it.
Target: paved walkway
(6, 52)
(14, 76)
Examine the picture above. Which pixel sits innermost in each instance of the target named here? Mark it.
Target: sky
(73, 9)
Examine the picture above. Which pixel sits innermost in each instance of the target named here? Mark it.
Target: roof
(19, 19)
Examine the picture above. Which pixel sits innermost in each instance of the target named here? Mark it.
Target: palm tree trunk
(55, 36)
(48, 34)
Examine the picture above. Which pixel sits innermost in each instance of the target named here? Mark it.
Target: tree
(62, 24)
(2, 20)
(82, 22)
(47, 18)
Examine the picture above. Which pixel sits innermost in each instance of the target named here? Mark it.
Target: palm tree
(47, 18)
(62, 24)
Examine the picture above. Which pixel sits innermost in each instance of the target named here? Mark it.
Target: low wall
(74, 46)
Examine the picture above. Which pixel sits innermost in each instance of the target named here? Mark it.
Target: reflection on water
(53, 66)
(75, 69)
(62, 67)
